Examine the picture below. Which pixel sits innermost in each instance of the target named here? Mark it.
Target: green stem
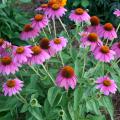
(33, 40)
(4, 1)
(103, 68)
(54, 26)
(49, 28)
(19, 99)
(44, 33)
(96, 66)
(118, 28)
(61, 58)
(116, 62)
(22, 98)
(48, 74)
(84, 66)
(116, 32)
(35, 70)
(107, 42)
(64, 27)
(85, 56)
(77, 28)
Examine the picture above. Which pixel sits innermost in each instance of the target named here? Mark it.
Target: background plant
(43, 101)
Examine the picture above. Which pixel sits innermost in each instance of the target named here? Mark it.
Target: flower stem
(48, 74)
(21, 98)
(54, 27)
(61, 58)
(118, 27)
(49, 28)
(116, 32)
(76, 33)
(35, 70)
(84, 66)
(103, 68)
(107, 42)
(33, 40)
(63, 27)
(4, 1)
(44, 33)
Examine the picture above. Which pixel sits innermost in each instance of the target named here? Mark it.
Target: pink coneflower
(38, 56)
(45, 45)
(42, 7)
(58, 43)
(55, 11)
(8, 65)
(83, 34)
(39, 21)
(106, 85)
(21, 54)
(116, 48)
(91, 40)
(4, 44)
(12, 87)
(104, 54)
(107, 31)
(79, 15)
(117, 12)
(95, 24)
(29, 32)
(66, 78)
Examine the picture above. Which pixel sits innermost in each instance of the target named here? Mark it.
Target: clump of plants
(67, 75)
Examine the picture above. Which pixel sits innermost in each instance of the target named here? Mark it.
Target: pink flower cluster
(96, 36)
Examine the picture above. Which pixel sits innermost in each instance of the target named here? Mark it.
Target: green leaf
(36, 112)
(85, 3)
(7, 104)
(71, 111)
(101, 117)
(76, 3)
(64, 116)
(2, 6)
(107, 103)
(6, 117)
(25, 1)
(93, 106)
(24, 108)
(77, 97)
(77, 67)
(52, 94)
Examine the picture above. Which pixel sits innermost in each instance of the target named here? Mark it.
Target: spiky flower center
(57, 41)
(6, 60)
(1, 41)
(108, 26)
(107, 82)
(44, 43)
(44, 5)
(93, 37)
(67, 72)
(105, 49)
(55, 6)
(36, 50)
(20, 50)
(11, 83)
(51, 2)
(79, 11)
(28, 28)
(39, 17)
(94, 20)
